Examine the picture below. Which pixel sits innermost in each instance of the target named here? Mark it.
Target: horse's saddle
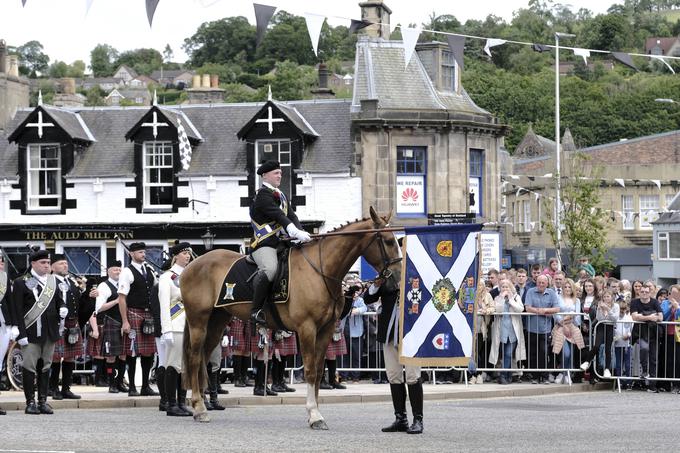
(237, 286)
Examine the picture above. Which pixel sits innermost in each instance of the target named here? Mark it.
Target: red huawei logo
(409, 194)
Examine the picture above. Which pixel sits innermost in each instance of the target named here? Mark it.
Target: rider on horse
(270, 216)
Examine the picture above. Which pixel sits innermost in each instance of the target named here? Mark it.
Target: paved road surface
(593, 421)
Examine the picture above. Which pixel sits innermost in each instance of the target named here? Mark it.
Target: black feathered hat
(268, 166)
(135, 246)
(38, 254)
(116, 263)
(179, 247)
(58, 257)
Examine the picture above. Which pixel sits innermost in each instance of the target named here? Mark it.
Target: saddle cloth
(237, 286)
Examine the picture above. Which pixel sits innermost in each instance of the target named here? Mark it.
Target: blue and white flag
(437, 327)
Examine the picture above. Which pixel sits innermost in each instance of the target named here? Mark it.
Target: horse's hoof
(319, 425)
(202, 417)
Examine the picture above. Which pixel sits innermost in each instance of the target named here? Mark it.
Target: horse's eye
(390, 242)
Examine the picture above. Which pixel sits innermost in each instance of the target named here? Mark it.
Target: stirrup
(258, 317)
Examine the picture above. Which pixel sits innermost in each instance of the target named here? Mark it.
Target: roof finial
(269, 93)
(155, 97)
(40, 97)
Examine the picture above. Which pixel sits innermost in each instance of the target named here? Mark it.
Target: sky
(68, 34)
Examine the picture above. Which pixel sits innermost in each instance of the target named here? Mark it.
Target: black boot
(261, 386)
(332, 378)
(260, 292)
(206, 401)
(111, 375)
(100, 373)
(182, 397)
(324, 385)
(415, 396)
(398, 392)
(238, 373)
(53, 389)
(244, 371)
(67, 380)
(213, 383)
(131, 363)
(43, 384)
(160, 382)
(28, 379)
(147, 364)
(171, 384)
(121, 365)
(277, 384)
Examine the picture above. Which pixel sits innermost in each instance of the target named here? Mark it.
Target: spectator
(492, 278)
(586, 266)
(582, 277)
(622, 335)
(635, 293)
(356, 329)
(648, 311)
(507, 331)
(535, 272)
(671, 352)
(626, 290)
(542, 303)
(485, 309)
(522, 285)
(566, 331)
(553, 266)
(606, 314)
(512, 275)
(590, 297)
(558, 281)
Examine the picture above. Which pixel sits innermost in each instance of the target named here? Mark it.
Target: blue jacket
(356, 322)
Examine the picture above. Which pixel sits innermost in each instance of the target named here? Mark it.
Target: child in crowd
(622, 334)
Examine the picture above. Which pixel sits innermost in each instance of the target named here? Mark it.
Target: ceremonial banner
(439, 278)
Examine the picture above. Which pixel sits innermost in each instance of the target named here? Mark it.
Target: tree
(584, 222)
(58, 69)
(144, 61)
(32, 60)
(101, 60)
(290, 81)
(221, 41)
(77, 69)
(168, 54)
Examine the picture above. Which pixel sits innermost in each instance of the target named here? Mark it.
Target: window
(84, 260)
(158, 175)
(539, 226)
(649, 210)
(669, 245)
(527, 215)
(154, 256)
(669, 199)
(448, 71)
(43, 177)
(628, 212)
(475, 183)
(411, 181)
(277, 150)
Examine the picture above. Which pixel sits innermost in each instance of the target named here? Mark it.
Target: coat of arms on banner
(438, 261)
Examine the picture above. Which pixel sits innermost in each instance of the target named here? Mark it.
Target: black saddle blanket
(237, 286)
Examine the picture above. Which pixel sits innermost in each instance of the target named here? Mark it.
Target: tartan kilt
(110, 334)
(93, 346)
(68, 352)
(286, 346)
(238, 337)
(145, 345)
(336, 348)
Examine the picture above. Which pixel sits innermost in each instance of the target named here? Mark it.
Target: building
(120, 96)
(179, 78)
(13, 88)
(125, 73)
(662, 46)
(666, 245)
(638, 181)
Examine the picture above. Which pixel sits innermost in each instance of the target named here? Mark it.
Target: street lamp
(208, 239)
(558, 200)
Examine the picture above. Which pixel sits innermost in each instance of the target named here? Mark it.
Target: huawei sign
(409, 194)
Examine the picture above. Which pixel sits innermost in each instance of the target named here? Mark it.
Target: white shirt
(104, 294)
(126, 278)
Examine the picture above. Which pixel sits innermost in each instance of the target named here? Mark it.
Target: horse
(314, 304)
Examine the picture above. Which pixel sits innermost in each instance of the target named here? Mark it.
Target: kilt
(93, 346)
(237, 336)
(145, 345)
(66, 351)
(111, 338)
(286, 346)
(336, 348)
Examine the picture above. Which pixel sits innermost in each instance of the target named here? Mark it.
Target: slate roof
(292, 115)
(67, 119)
(380, 74)
(219, 152)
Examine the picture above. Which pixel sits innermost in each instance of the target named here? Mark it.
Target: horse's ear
(377, 221)
(388, 217)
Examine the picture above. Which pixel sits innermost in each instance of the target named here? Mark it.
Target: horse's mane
(348, 224)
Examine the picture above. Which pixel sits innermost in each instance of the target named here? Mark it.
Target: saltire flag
(184, 146)
(440, 275)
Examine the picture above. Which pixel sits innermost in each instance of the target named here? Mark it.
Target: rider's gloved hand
(296, 233)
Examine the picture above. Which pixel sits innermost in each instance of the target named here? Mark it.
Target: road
(593, 421)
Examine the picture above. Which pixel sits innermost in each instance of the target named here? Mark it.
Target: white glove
(13, 332)
(300, 235)
(63, 311)
(167, 337)
(23, 341)
(225, 341)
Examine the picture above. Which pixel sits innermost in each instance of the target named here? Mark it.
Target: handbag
(147, 327)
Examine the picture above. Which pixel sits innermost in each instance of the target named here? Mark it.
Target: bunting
(625, 59)
(457, 45)
(151, 6)
(493, 42)
(314, 24)
(410, 37)
(356, 25)
(662, 60)
(263, 14)
(88, 5)
(540, 48)
(585, 53)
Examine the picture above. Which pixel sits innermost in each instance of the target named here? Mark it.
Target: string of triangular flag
(620, 181)
(151, 6)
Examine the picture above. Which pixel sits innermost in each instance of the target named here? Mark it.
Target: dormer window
(448, 71)
(44, 187)
(158, 175)
(276, 150)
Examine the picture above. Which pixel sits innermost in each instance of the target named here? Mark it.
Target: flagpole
(558, 189)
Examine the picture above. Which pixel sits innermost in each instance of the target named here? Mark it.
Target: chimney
(205, 81)
(68, 85)
(323, 92)
(196, 82)
(13, 68)
(3, 52)
(376, 11)
(205, 90)
(214, 81)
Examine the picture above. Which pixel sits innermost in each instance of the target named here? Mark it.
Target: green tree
(584, 222)
(58, 69)
(221, 41)
(76, 69)
(290, 81)
(95, 97)
(144, 61)
(168, 54)
(101, 60)
(33, 62)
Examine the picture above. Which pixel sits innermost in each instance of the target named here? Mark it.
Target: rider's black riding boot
(28, 378)
(213, 384)
(260, 292)
(43, 385)
(398, 392)
(415, 395)
(160, 382)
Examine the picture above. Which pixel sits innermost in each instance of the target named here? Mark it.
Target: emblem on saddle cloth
(237, 287)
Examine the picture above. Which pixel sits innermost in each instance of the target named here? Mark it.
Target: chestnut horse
(315, 301)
